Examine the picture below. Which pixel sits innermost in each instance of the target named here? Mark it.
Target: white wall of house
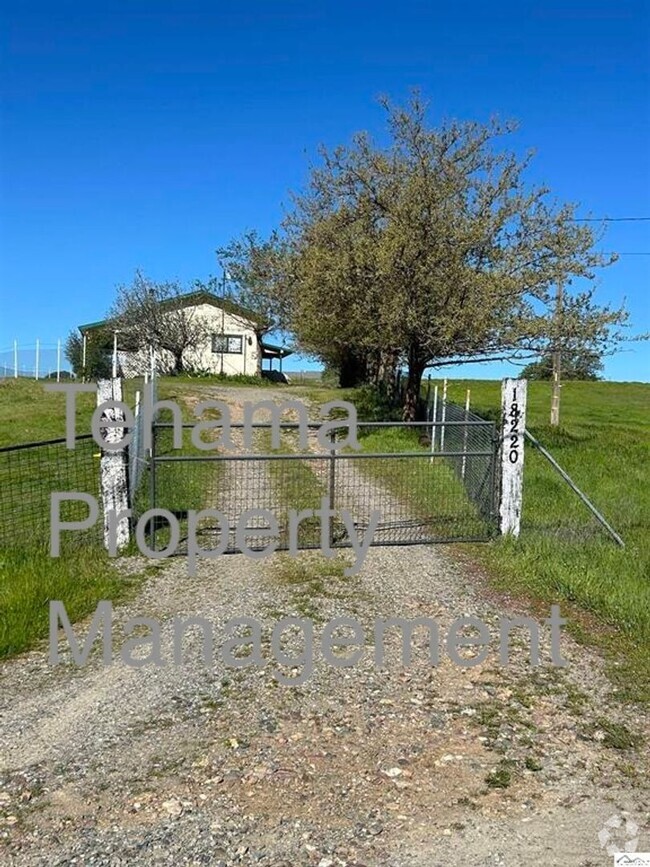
(242, 350)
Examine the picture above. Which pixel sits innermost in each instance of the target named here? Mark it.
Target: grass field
(562, 553)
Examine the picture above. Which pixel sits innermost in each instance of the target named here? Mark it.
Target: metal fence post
(434, 418)
(465, 429)
(444, 415)
(332, 481)
(152, 485)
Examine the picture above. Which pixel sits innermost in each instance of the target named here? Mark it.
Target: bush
(372, 404)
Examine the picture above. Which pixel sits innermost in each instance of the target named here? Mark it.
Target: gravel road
(200, 763)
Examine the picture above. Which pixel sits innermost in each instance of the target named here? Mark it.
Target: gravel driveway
(418, 767)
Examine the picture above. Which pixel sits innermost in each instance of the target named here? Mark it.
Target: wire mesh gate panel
(30, 473)
(428, 481)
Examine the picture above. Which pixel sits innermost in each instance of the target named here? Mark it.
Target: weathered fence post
(513, 414)
(113, 467)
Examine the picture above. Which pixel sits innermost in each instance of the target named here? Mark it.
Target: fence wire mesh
(419, 495)
(30, 473)
(461, 433)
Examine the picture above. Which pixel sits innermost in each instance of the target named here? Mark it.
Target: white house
(232, 344)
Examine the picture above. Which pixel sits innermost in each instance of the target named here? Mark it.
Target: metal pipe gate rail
(422, 496)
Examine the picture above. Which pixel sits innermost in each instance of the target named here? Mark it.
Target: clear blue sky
(148, 134)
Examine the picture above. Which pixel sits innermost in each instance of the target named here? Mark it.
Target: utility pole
(223, 317)
(557, 360)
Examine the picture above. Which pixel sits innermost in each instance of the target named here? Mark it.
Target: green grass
(295, 486)
(182, 485)
(563, 555)
(30, 578)
(28, 413)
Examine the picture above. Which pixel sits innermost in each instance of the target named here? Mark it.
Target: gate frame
(489, 517)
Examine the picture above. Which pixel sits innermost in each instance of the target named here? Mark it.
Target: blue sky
(146, 135)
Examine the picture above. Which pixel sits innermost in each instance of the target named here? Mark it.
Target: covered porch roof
(272, 350)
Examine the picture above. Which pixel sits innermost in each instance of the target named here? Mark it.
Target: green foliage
(30, 578)
(373, 404)
(430, 249)
(99, 362)
(585, 366)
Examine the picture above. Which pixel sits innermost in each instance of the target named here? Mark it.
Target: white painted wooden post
(113, 465)
(15, 359)
(513, 414)
(58, 360)
(464, 464)
(444, 415)
(434, 418)
(38, 356)
(84, 349)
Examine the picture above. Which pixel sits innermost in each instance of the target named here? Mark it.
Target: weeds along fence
(30, 473)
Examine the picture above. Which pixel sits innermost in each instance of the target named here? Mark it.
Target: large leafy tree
(433, 249)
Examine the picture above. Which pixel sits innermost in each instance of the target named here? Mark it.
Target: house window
(228, 343)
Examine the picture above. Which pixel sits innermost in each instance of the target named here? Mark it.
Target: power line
(610, 219)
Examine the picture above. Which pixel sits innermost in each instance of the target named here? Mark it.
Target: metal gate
(410, 483)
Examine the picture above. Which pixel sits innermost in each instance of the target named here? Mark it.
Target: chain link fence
(458, 433)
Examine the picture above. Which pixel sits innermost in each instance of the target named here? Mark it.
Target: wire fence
(30, 474)
(395, 485)
(461, 434)
(38, 360)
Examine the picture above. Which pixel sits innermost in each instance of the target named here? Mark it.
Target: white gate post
(113, 466)
(513, 414)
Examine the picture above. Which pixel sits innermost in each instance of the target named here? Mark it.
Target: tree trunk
(557, 385)
(353, 370)
(387, 372)
(412, 401)
(178, 362)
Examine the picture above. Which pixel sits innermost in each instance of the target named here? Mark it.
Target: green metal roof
(272, 350)
(189, 300)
